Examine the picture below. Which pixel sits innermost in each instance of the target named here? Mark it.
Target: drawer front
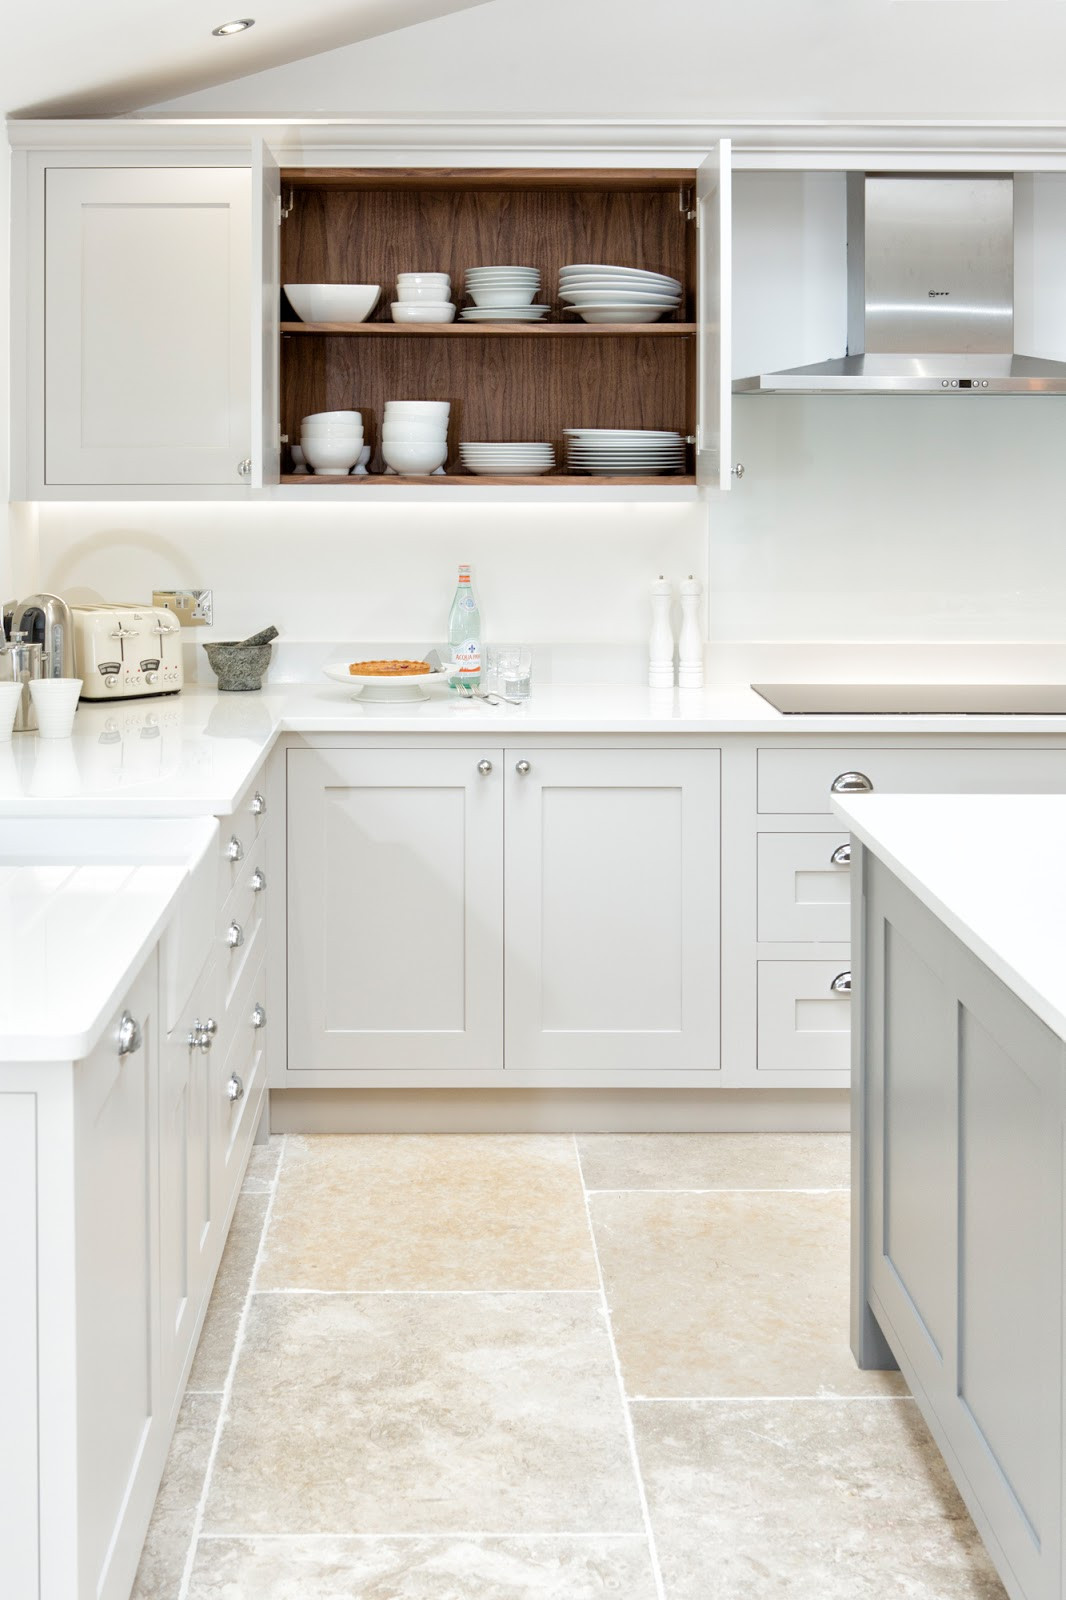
(242, 845)
(804, 887)
(240, 936)
(800, 781)
(804, 1024)
(243, 1066)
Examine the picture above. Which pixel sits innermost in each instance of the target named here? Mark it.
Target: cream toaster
(121, 651)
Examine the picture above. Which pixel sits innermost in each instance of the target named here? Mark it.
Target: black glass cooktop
(909, 699)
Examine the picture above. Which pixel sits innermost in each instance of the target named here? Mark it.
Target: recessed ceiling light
(233, 27)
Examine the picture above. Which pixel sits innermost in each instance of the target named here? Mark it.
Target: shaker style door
(714, 441)
(395, 890)
(266, 314)
(612, 919)
(147, 324)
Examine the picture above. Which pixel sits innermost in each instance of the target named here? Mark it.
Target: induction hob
(909, 699)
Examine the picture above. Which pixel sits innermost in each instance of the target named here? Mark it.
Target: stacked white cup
(55, 701)
(332, 441)
(414, 435)
(423, 297)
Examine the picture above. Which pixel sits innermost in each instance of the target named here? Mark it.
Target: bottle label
(466, 600)
(467, 656)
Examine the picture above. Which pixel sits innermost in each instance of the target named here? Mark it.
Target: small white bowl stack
(503, 294)
(332, 442)
(414, 436)
(423, 297)
(617, 294)
(624, 452)
(525, 458)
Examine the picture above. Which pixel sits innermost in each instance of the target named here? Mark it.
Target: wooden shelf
(520, 330)
(547, 480)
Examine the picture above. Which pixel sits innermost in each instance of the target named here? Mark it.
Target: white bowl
(512, 298)
(333, 302)
(423, 311)
(417, 294)
(521, 272)
(331, 458)
(412, 433)
(332, 429)
(355, 417)
(420, 459)
(420, 409)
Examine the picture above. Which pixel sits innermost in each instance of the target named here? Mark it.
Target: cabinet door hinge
(283, 209)
(684, 205)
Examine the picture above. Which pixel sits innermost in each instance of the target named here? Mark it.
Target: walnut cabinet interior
(506, 381)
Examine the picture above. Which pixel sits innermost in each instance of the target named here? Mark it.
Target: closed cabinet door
(395, 861)
(148, 326)
(118, 1380)
(612, 896)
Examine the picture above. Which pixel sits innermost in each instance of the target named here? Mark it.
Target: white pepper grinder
(661, 642)
(690, 652)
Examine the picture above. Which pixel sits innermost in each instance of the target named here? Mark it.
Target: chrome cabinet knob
(129, 1035)
(258, 880)
(202, 1034)
(259, 1017)
(841, 856)
(244, 467)
(234, 849)
(841, 984)
(235, 1088)
(738, 470)
(259, 805)
(484, 767)
(522, 767)
(234, 935)
(851, 783)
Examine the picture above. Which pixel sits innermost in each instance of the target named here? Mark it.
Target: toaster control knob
(110, 681)
(151, 677)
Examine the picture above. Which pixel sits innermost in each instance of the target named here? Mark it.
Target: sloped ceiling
(109, 57)
(853, 60)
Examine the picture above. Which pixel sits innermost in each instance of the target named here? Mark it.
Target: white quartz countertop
(992, 868)
(192, 754)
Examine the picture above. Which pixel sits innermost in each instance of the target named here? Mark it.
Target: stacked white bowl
(617, 294)
(332, 441)
(503, 294)
(423, 297)
(414, 435)
(524, 458)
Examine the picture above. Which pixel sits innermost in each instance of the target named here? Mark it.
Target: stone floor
(540, 1368)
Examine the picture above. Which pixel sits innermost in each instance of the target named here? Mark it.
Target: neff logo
(939, 294)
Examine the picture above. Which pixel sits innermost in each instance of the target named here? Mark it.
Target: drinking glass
(514, 671)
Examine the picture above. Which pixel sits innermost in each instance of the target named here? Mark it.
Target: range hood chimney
(930, 295)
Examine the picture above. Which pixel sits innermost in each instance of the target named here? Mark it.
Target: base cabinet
(412, 871)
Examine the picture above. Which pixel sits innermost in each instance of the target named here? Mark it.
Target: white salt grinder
(661, 643)
(690, 664)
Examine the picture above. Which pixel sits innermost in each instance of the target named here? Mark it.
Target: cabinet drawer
(804, 887)
(242, 842)
(239, 933)
(804, 1025)
(243, 1066)
(800, 780)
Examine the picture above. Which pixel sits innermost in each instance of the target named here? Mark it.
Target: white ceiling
(70, 58)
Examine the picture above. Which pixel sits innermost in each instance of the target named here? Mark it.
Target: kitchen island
(958, 1097)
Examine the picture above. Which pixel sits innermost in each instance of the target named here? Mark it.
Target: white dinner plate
(484, 459)
(504, 313)
(578, 298)
(513, 469)
(609, 435)
(603, 313)
(600, 270)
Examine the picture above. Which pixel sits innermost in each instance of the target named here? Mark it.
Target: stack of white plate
(617, 294)
(528, 459)
(503, 294)
(618, 451)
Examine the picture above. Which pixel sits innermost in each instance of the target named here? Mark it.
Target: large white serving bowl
(417, 459)
(333, 302)
(423, 311)
(355, 417)
(503, 297)
(422, 409)
(329, 459)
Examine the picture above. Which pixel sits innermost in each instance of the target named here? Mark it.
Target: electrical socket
(194, 608)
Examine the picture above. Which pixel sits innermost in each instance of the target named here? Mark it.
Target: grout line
(631, 1437)
(448, 1533)
(765, 1399)
(444, 1292)
(227, 1390)
(840, 1188)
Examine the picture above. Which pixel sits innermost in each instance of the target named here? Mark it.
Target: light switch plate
(194, 608)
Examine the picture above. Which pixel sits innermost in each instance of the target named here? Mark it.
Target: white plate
(518, 469)
(622, 470)
(611, 436)
(469, 458)
(504, 313)
(601, 270)
(503, 277)
(373, 688)
(600, 297)
(603, 313)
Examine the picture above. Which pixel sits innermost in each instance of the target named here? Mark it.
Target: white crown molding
(395, 141)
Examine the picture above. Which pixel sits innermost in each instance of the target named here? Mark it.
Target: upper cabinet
(147, 321)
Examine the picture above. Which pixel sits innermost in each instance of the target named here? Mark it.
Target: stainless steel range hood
(930, 295)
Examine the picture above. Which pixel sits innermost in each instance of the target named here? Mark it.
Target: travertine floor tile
(215, 1350)
(730, 1293)
(263, 1165)
(424, 1414)
(163, 1557)
(820, 1500)
(715, 1160)
(422, 1569)
(386, 1211)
